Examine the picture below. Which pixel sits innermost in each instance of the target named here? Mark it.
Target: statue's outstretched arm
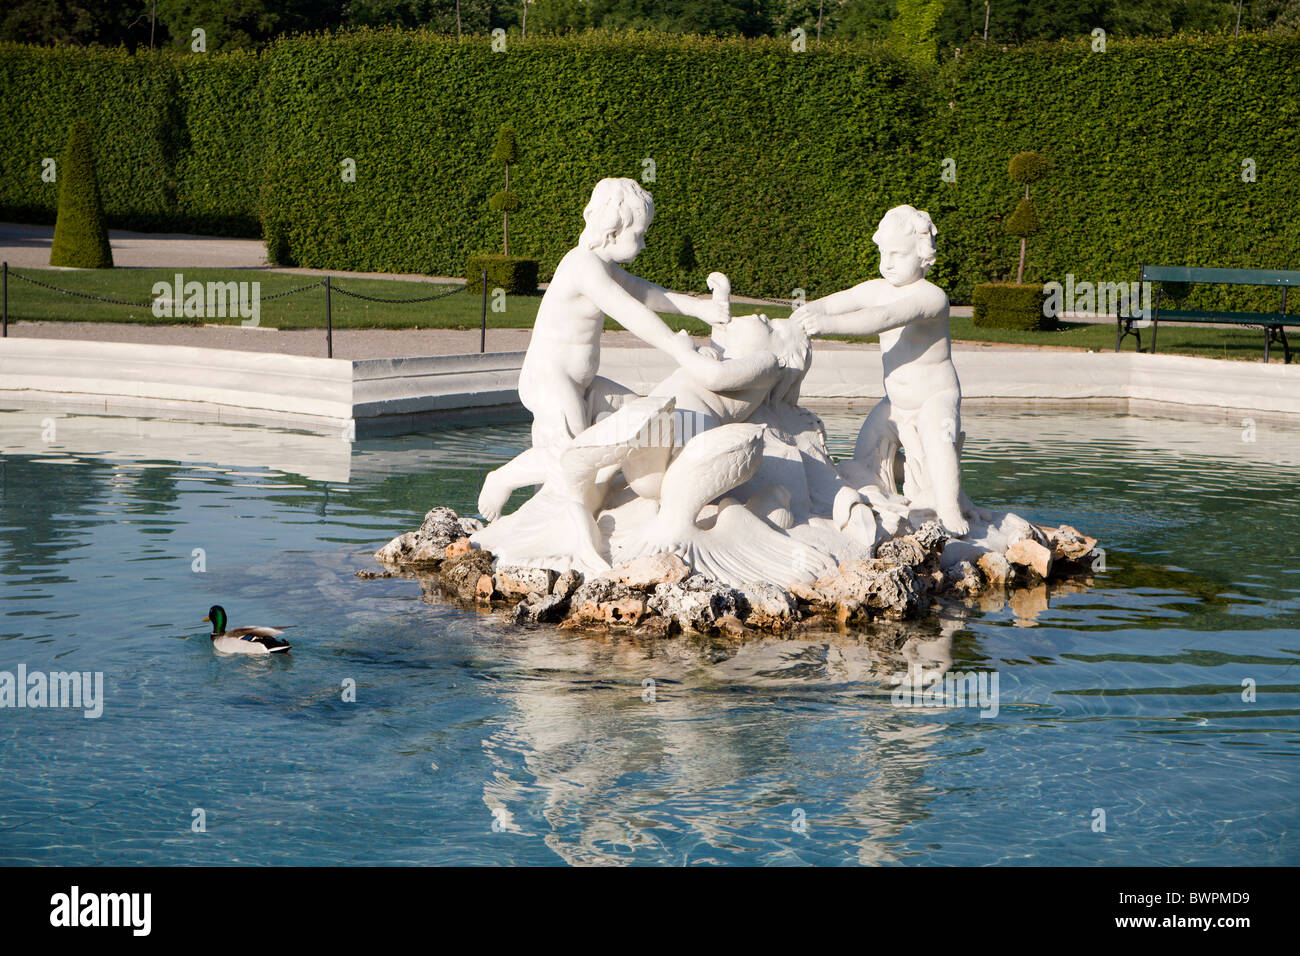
(731, 374)
(625, 309)
(856, 315)
(659, 299)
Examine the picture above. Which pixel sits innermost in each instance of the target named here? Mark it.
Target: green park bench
(1274, 324)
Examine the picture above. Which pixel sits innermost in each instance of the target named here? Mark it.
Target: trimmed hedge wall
(220, 153)
(773, 165)
(177, 137)
(770, 165)
(1146, 142)
(515, 274)
(127, 102)
(1005, 305)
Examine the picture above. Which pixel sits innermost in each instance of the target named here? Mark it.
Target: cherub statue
(921, 411)
(558, 376)
(718, 465)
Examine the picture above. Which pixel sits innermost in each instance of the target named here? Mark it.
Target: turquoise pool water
(473, 741)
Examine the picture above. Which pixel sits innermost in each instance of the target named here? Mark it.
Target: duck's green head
(217, 615)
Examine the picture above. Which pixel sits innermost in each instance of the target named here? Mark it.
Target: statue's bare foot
(492, 499)
(954, 522)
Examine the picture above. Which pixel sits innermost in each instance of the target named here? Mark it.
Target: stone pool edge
(374, 397)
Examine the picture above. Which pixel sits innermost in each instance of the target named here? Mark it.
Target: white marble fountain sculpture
(719, 465)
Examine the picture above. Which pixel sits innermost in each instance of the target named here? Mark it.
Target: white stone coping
(240, 386)
(407, 394)
(1032, 375)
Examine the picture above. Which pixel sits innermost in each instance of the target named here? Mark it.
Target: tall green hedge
(754, 162)
(126, 101)
(220, 152)
(1146, 143)
(177, 137)
(771, 165)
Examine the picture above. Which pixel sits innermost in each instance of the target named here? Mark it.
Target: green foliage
(217, 143)
(912, 31)
(1005, 305)
(1147, 142)
(506, 150)
(515, 274)
(505, 201)
(781, 197)
(505, 153)
(80, 234)
(1024, 221)
(1027, 167)
(234, 24)
(177, 137)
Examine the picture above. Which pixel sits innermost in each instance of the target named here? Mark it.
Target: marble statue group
(719, 464)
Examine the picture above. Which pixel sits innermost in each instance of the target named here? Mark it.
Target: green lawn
(460, 310)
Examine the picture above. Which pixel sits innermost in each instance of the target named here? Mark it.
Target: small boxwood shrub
(1006, 305)
(80, 233)
(515, 274)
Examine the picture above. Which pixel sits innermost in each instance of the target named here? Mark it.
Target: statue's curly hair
(615, 204)
(910, 221)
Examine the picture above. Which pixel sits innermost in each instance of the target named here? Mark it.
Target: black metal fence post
(4, 323)
(329, 322)
(482, 334)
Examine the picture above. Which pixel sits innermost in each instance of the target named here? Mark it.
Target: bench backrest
(1273, 277)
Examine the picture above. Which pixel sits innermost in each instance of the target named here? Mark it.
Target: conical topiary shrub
(1005, 305)
(1025, 168)
(514, 274)
(80, 233)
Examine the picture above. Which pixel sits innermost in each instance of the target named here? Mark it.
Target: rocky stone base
(658, 595)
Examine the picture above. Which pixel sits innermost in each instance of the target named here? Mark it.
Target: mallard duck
(243, 640)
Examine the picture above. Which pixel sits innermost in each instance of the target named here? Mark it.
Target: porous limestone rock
(426, 546)
(566, 583)
(995, 567)
(919, 550)
(441, 523)
(456, 548)
(696, 603)
(1068, 544)
(655, 626)
(865, 589)
(541, 609)
(963, 578)
(768, 607)
(602, 601)
(514, 581)
(460, 575)
(399, 550)
(1028, 553)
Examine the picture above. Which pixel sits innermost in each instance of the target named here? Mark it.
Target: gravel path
(28, 247)
(348, 343)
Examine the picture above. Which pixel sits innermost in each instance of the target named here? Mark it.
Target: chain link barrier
(84, 295)
(264, 298)
(373, 298)
(281, 295)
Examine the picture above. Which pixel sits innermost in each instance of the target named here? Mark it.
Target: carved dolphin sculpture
(710, 465)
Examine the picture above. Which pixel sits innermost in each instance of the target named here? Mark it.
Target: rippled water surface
(475, 741)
